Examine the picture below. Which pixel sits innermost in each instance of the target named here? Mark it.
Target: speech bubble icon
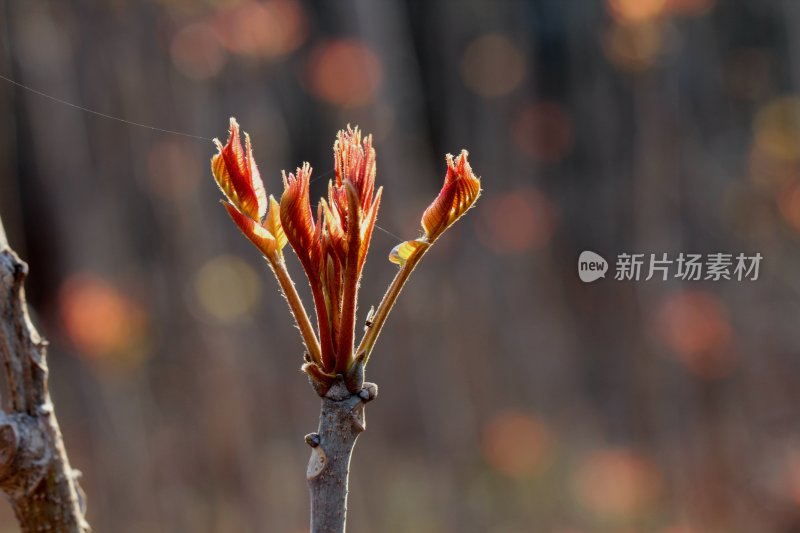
(591, 266)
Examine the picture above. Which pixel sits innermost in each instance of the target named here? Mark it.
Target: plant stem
(387, 302)
(298, 310)
(341, 420)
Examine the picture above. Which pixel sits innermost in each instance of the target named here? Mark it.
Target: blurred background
(514, 398)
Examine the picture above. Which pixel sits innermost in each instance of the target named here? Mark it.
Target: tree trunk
(35, 472)
(341, 420)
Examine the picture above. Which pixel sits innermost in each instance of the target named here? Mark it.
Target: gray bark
(341, 421)
(35, 473)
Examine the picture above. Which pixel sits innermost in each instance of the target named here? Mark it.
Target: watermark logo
(591, 266)
(683, 266)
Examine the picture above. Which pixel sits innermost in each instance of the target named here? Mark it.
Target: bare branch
(341, 420)
(34, 469)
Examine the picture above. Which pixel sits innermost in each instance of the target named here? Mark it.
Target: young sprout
(332, 244)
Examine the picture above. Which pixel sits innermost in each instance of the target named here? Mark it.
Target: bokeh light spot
(516, 221)
(771, 174)
(634, 48)
(636, 11)
(789, 205)
(346, 73)
(616, 483)
(543, 131)
(268, 29)
(516, 444)
(694, 324)
(227, 288)
(492, 65)
(196, 52)
(791, 476)
(777, 128)
(98, 318)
